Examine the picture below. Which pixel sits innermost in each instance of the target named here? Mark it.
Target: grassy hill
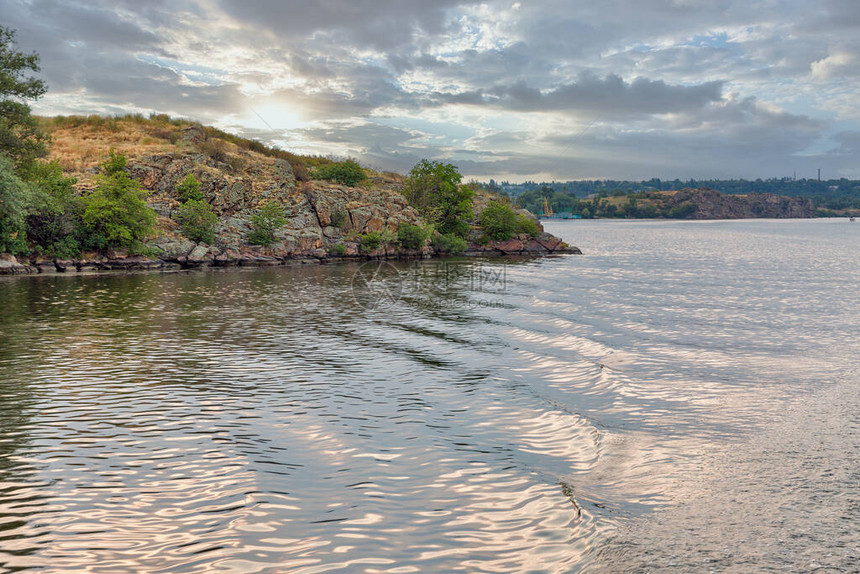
(82, 143)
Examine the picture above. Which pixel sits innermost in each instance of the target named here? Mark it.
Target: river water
(683, 397)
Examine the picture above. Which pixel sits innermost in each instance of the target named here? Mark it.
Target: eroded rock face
(711, 204)
(319, 214)
(360, 210)
(172, 248)
(236, 184)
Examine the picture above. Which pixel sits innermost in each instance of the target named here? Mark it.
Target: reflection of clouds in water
(262, 418)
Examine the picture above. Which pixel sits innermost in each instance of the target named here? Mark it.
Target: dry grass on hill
(81, 143)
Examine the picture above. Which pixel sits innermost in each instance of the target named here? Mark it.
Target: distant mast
(547, 210)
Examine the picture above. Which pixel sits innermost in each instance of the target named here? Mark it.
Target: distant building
(561, 215)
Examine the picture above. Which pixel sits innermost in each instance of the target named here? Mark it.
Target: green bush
(434, 189)
(114, 164)
(450, 243)
(338, 218)
(353, 236)
(197, 221)
(54, 221)
(265, 223)
(15, 195)
(387, 236)
(498, 221)
(346, 172)
(682, 211)
(115, 213)
(411, 236)
(528, 225)
(64, 248)
(189, 189)
(338, 249)
(370, 241)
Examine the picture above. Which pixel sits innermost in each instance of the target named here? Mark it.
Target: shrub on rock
(197, 221)
(265, 223)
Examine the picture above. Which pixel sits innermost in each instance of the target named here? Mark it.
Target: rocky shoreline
(323, 221)
(202, 256)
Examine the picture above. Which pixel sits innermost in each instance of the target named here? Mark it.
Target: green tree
(197, 221)
(189, 189)
(20, 136)
(434, 189)
(15, 195)
(498, 221)
(347, 172)
(411, 236)
(265, 223)
(115, 213)
(54, 218)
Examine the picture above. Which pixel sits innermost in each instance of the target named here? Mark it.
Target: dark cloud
(849, 143)
(379, 137)
(842, 13)
(607, 96)
(96, 26)
(365, 23)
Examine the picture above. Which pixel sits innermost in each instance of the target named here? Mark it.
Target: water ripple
(261, 421)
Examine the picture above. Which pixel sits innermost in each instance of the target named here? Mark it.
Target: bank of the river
(203, 256)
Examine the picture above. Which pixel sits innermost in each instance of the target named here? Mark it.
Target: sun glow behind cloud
(267, 113)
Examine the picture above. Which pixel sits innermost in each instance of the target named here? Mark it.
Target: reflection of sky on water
(246, 419)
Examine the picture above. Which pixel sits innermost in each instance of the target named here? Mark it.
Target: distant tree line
(828, 195)
(619, 204)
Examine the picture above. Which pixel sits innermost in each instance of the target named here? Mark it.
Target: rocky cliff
(711, 204)
(324, 220)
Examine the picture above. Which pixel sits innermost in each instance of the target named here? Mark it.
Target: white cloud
(565, 88)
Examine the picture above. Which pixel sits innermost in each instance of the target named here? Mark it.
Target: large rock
(549, 242)
(510, 246)
(173, 248)
(9, 265)
(199, 253)
(193, 134)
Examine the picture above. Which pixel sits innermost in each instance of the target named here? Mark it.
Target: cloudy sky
(511, 90)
